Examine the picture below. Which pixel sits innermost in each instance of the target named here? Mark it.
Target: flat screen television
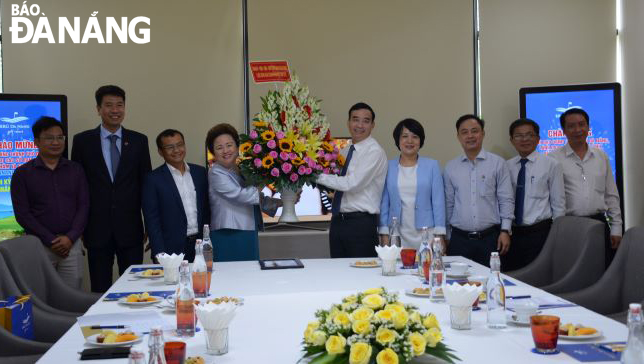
(18, 113)
(602, 102)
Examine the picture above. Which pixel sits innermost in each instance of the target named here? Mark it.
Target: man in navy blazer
(115, 161)
(175, 199)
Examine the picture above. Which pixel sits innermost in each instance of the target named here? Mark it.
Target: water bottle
(136, 357)
(199, 272)
(156, 344)
(634, 352)
(394, 232)
(184, 301)
(436, 271)
(208, 253)
(495, 295)
(424, 256)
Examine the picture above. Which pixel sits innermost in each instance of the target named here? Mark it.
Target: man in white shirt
(175, 199)
(590, 188)
(539, 195)
(356, 203)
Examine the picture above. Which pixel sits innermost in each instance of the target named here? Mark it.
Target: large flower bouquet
(290, 143)
(373, 327)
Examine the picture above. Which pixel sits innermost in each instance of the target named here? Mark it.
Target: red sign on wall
(270, 71)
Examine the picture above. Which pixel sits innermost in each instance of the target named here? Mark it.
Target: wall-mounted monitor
(18, 113)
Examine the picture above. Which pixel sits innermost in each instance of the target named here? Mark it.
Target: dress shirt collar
(176, 171)
(532, 157)
(569, 152)
(482, 155)
(106, 133)
(364, 143)
(38, 163)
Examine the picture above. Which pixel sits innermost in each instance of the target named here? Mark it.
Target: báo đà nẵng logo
(23, 29)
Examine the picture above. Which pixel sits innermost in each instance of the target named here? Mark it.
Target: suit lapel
(97, 148)
(167, 176)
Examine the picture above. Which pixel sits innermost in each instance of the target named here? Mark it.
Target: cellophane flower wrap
(373, 327)
(290, 143)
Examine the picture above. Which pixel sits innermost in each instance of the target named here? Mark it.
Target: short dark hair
(167, 133)
(465, 117)
(362, 106)
(574, 110)
(523, 121)
(412, 125)
(108, 90)
(220, 129)
(45, 123)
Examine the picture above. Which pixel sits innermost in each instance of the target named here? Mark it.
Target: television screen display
(18, 113)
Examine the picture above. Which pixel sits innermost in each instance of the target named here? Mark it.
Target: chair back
(29, 265)
(7, 285)
(632, 247)
(575, 238)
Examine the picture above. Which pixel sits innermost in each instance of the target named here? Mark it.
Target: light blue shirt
(478, 194)
(105, 147)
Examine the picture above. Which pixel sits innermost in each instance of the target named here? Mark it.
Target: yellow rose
(415, 317)
(385, 336)
(360, 353)
(387, 356)
(350, 299)
(430, 321)
(361, 327)
(386, 315)
(433, 336)
(373, 291)
(396, 306)
(318, 338)
(309, 330)
(363, 313)
(373, 301)
(418, 343)
(334, 311)
(342, 319)
(400, 319)
(335, 344)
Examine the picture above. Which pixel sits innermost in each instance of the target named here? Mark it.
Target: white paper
(139, 321)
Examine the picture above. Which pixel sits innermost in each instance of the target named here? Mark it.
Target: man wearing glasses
(51, 200)
(175, 199)
(539, 195)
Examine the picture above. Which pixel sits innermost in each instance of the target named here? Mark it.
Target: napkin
(461, 295)
(170, 264)
(388, 253)
(216, 316)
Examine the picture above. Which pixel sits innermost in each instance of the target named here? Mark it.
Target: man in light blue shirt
(107, 147)
(478, 196)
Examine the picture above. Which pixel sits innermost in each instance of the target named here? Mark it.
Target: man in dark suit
(115, 161)
(175, 199)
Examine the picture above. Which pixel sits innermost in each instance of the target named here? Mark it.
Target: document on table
(138, 322)
(544, 302)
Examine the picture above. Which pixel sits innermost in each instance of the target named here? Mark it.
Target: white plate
(140, 275)
(91, 340)
(410, 292)
(123, 301)
(365, 266)
(512, 318)
(581, 337)
(453, 275)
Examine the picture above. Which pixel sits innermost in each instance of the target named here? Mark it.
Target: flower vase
(288, 197)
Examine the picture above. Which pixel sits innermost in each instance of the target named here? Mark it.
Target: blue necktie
(337, 199)
(520, 196)
(115, 156)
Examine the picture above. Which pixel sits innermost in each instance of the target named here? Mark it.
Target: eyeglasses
(171, 147)
(528, 136)
(51, 138)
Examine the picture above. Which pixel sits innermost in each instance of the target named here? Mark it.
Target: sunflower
(341, 159)
(327, 146)
(324, 163)
(245, 147)
(297, 161)
(286, 145)
(267, 162)
(268, 135)
(260, 124)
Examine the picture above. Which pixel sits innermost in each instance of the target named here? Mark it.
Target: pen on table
(518, 297)
(97, 327)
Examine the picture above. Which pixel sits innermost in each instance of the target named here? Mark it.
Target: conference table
(278, 304)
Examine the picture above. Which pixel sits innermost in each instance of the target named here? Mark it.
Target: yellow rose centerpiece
(373, 327)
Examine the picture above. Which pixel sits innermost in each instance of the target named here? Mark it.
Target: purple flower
(257, 162)
(292, 156)
(336, 171)
(280, 135)
(301, 170)
(311, 163)
(271, 144)
(333, 164)
(328, 157)
(326, 171)
(273, 154)
(253, 134)
(287, 167)
(318, 167)
(284, 156)
(320, 153)
(257, 148)
(294, 177)
(309, 170)
(275, 172)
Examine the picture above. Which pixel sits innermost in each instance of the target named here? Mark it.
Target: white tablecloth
(278, 304)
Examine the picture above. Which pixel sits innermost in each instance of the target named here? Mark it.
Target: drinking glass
(408, 257)
(545, 332)
(175, 352)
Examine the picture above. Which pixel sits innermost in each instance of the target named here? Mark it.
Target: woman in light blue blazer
(235, 214)
(413, 189)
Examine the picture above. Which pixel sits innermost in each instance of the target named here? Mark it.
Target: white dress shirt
(544, 187)
(106, 144)
(365, 178)
(478, 194)
(589, 185)
(188, 194)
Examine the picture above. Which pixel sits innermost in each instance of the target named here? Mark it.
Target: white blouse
(410, 236)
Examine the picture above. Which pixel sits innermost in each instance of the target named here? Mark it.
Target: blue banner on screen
(18, 113)
(602, 106)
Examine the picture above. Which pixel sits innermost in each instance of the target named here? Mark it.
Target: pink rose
(271, 144)
(257, 148)
(318, 167)
(284, 156)
(311, 163)
(280, 135)
(257, 162)
(333, 164)
(301, 170)
(328, 157)
(309, 170)
(273, 154)
(320, 153)
(253, 134)
(275, 172)
(287, 167)
(336, 171)
(326, 171)
(292, 155)
(294, 177)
